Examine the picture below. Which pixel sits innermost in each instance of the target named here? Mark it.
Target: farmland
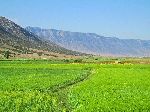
(31, 86)
(113, 88)
(57, 86)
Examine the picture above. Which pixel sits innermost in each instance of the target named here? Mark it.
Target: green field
(32, 86)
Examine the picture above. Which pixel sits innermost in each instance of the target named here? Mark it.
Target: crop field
(31, 86)
(113, 88)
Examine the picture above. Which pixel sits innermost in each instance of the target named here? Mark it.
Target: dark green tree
(6, 54)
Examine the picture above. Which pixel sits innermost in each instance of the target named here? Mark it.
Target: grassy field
(30, 86)
(49, 86)
(113, 88)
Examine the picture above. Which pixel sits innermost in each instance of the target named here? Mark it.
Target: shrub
(78, 60)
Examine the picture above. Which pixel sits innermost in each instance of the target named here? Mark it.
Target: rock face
(93, 43)
(17, 38)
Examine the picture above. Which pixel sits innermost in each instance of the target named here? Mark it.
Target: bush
(6, 54)
(66, 60)
(78, 60)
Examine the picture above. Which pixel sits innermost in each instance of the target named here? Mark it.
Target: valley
(48, 70)
(37, 85)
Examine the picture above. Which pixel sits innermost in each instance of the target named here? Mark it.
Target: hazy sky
(117, 18)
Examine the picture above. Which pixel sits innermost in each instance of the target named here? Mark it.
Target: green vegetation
(113, 88)
(62, 85)
(5, 54)
(31, 86)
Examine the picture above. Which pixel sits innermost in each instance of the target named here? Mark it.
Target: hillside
(16, 39)
(93, 43)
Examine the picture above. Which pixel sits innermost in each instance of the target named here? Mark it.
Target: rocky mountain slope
(93, 43)
(18, 39)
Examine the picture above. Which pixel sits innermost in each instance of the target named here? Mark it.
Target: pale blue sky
(117, 18)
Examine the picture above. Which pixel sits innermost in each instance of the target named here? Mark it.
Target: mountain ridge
(94, 43)
(20, 40)
(40, 28)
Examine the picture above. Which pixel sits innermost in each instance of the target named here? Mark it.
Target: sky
(128, 19)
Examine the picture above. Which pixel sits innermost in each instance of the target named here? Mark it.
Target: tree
(6, 54)
(78, 60)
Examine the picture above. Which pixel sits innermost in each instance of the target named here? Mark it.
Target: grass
(29, 86)
(46, 86)
(113, 88)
